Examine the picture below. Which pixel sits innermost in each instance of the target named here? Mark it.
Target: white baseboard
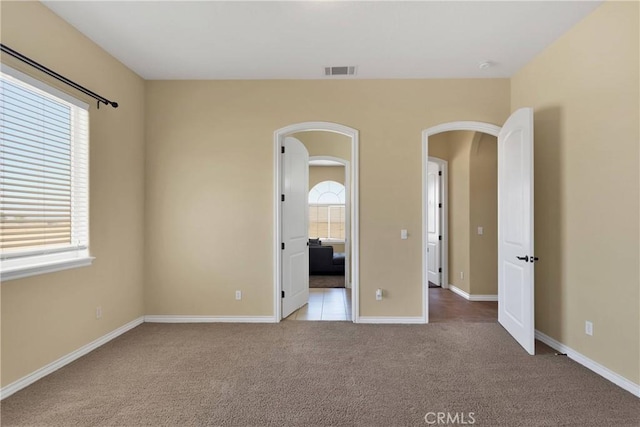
(470, 297)
(23, 382)
(208, 319)
(390, 320)
(603, 371)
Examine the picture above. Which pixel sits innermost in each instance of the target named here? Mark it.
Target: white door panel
(513, 299)
(295, 228)
(515, 228)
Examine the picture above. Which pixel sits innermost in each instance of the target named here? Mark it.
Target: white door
(433, 223)
(295, 228)
(515, 228)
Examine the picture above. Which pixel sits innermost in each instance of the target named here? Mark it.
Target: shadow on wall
(549, 200)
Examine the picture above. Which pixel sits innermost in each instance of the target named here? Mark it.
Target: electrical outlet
(238, 295)
(98, 312)
(462, 275)
(588, 328)
(379, 295)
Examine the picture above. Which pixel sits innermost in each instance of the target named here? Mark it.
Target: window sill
(44, 266)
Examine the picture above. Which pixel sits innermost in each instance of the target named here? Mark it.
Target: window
(44, 212)
(327, 211)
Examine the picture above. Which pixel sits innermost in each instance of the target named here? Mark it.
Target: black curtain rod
(57, 76)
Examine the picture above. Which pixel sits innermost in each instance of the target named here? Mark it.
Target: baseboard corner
(29, 379)
(590, 364)
(472, 297)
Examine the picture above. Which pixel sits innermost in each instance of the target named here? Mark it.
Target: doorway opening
(462, 217)
(515, 220)
(437, 223)
(330, 211)
(329, 225)
(461, 223)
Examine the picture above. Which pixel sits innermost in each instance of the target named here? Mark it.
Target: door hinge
(282, 198)
(439, 173)
(439, 237)
(282, 149)
(283, 246)
(282, 294)
(440, 270)
(439, 205)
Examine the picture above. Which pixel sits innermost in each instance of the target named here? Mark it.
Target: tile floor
(325, 304)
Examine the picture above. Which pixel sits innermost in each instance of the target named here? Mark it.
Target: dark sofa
(322, 259)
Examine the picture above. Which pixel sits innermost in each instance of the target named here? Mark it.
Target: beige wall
(483, 212)
(584, 89)
(318, 174)
(459, 146)
(48, 316)
(215, 138)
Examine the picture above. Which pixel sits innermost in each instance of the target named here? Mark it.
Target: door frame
(483, 127)
(444, 221)
(347, 222)
(278, 138)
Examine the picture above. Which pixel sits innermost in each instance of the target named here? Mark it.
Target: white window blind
(43, 169)
(327, 211)
(326, 222)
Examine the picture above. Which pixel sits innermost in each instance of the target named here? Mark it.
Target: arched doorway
(279, 137)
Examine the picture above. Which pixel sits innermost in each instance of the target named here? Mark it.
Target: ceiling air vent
(340, 71)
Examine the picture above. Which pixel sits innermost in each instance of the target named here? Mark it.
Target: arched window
(327, 211)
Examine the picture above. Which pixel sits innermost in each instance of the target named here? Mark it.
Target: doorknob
(523, 258)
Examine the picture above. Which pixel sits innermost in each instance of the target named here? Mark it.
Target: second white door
(515, 228)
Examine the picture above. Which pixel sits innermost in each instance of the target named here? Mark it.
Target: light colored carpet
(326, 281)
(319, 374)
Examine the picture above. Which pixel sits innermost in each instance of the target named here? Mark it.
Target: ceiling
(296, 40)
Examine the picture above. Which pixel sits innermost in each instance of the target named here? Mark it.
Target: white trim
(445, 127)
(278, 139)
(50, 267)
(458, 291)
(599, 369)
(470, 297)
(388, 320)
(339, 160)
(488, 297)
(208, 319)
(463, 125)
(65, 360)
